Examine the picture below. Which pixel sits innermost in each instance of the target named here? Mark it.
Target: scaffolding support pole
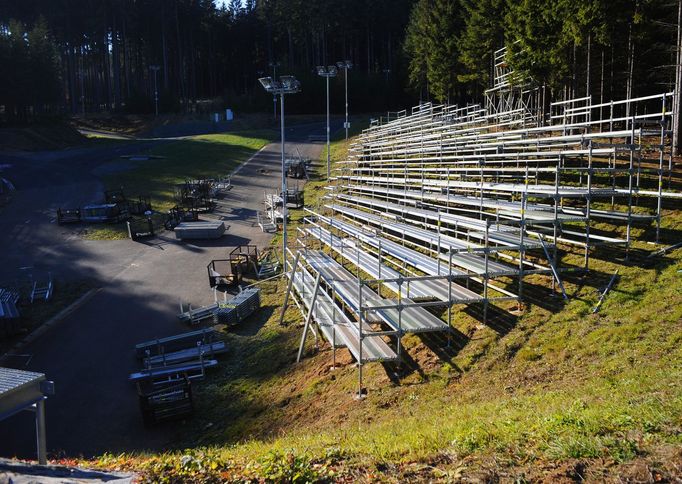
(485, 275)
(333, 337)
(450, 296)
(286, 294)
(41, 434)
(631, 167)
(360, 395)
(589, 208)
(308, 319)
(660, 175)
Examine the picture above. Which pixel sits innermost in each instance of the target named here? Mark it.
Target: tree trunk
(587, 71)
(116, 64)
(164, 49)
(126, 58)
(181, 66)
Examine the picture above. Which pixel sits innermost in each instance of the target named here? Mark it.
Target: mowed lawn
(204, 156)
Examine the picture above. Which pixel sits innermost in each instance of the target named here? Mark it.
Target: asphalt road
(89, 354)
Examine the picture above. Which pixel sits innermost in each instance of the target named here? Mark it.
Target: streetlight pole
(345, 65)
(274, 66)
(284, 187)
(156, 90)
(328, 72)
(285, 85)
(328, 134)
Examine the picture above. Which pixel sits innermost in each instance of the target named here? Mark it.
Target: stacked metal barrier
(238, 308)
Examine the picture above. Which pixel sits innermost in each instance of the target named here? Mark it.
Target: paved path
(89, 354)
(21, 473)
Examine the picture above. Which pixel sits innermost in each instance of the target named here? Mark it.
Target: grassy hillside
(50, 135)
(551, 393)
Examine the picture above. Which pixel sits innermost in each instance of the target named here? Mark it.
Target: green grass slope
(553, 393)
(202, 156)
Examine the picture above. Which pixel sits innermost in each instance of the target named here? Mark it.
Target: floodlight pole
(328, 141)
(156, 90)
(285, 85)
(274, 96)
(284, 189)
(328, 71)
(345, 77)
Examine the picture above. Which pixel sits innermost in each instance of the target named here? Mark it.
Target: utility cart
(223, 273)
(163, 401)
(228, 272)
(104, 213)
(68, 215)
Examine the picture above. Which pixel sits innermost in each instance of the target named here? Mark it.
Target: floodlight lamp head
(267, 83)
(321, 70)
(290, 84)
(344, 64)
(331, 70)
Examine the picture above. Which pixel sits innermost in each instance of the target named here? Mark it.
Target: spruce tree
(483, 34)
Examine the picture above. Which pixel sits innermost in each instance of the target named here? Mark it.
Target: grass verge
(34, 315)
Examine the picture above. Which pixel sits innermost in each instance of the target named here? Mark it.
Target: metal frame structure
(345, 65)
(26, 390)
(285, 85)
(434, 206)
(327, 72)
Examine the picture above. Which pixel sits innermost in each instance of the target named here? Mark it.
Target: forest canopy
(72, 56)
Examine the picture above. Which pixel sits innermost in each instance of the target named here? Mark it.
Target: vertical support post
(379, 270)
(333, 337)
(660, 173)
(41, 437)
(555, 228)
(289, 285)
(400, 317)
(308, 318)
(589, 207)
(631, 168)
(328, 134)
(438, 248)
(522, 231)
(284, 190)
(361, 321)
(346, 82)
(450, 297)
(485, 274)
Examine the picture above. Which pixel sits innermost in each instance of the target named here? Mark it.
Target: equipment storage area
(168, 367)
(163, 401)
(241, 306)
(238, 308)
(199, 230)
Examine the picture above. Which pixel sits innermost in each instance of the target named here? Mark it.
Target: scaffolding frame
(438, 198)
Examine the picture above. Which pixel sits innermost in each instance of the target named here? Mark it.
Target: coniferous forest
(83, 56)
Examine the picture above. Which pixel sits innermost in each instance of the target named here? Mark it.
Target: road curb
(50, 323)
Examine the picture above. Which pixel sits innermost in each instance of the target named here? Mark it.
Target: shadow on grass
(402, 369)
(498, 319)
(254, 323)
(443, 345)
